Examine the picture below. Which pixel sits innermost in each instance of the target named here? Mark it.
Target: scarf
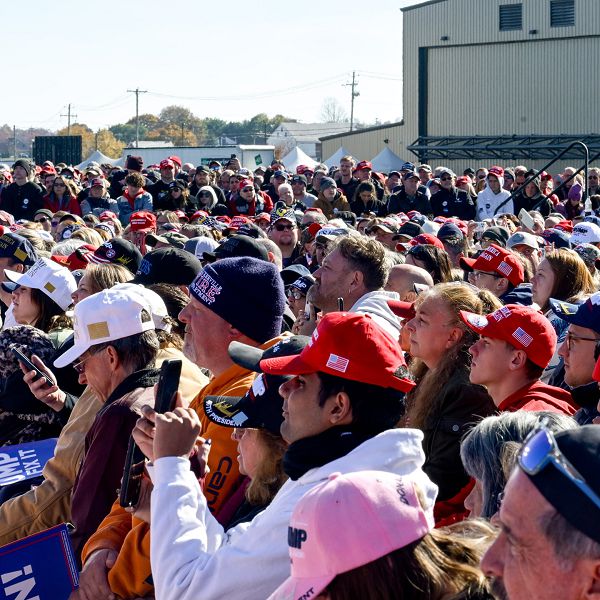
(320, 449)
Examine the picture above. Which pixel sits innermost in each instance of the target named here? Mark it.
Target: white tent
(98, 157)
(297, 157)
(335, 158)
(387, 161)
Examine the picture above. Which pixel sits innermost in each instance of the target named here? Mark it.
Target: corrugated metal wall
(542, 83)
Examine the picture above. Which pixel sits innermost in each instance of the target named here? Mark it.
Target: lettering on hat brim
(98, 331)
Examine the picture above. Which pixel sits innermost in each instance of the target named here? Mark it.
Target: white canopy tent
(335, 158)
(387, 161)
(98, 157)
(297, 157)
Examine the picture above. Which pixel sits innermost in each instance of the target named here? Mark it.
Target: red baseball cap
(108, 215)
(497, 171)
(426, 238)
(176, 160)
(520, 326)
(79, 259)
(143, 221)
(238, 221)
(199, 214)
(363, 164)
(351, 346)
(565, 225)
(263, 216)
(242, 183)
(404, 310)
(181, 215)
(48, 170)
(495, 259)
(166, 164)
(223, 219)
(97, 182)
(463, 179)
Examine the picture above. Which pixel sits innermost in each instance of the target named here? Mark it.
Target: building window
(511, 17)
(562, 13)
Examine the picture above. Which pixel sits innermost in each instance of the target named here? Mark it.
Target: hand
(305, 324)
(93, 580)
(143, 432)
(142, 509)
(176, 432)
(45, 391)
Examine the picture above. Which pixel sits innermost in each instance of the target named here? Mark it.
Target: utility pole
(69, 115)
(15, 142)
(137, 93)
(97, 133)
(182, 129)
(353, 95)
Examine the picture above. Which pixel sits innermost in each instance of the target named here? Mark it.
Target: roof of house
(310, 132)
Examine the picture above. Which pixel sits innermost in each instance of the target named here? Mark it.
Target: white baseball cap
(522, 238)
(159, 308)
(104, 317)
(585, 233)
(204, 244)
(54, 280)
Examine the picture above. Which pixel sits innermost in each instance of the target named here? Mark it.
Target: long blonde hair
(424, 400)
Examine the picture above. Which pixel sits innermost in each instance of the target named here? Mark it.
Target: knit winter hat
(221, 285)
(29, 340)
(26, 164)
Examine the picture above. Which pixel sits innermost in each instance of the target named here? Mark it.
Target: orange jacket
(131, 574)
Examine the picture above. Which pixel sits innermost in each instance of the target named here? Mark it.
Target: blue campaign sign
(39, 567)
(24, 461)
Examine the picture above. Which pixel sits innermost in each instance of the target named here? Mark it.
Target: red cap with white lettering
(350, 346)
(495, 259)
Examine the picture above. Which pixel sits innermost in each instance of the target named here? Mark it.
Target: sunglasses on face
(282, 227)
(445, 178)
(248, 189)
(296, 294)
(42, 220)
(205, 195)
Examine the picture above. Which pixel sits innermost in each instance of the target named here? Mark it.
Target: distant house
(304, 136)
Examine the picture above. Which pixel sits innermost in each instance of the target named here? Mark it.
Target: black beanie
(26, 164)
(246, 292)
(134, 163)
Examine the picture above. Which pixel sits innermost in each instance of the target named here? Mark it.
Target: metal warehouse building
(492, 81)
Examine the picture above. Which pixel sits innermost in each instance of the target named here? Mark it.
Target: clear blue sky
(231, 62)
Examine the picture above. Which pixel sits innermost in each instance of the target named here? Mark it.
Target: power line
(69, 115)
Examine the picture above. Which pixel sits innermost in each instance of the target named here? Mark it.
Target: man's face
(20, 175)
(205, 333)
(299, 189)
(490, 360)
(522, 560)
(519, 177)
(302, 415)
(578, 355)
(508, 183)
(45, 221)
(49, 182)
(284, 233)
(446, 181)
(363, 174)
(96, 191)
(167, 174)
(485, 280)
(424, 176)
(392, 181)
(410, 185)
(333, 280)
(346, 168)
(286, 195)
(277, 181)
(385, 237)
(224, 182)
(202, 178)
(329, 192)
(494, 183)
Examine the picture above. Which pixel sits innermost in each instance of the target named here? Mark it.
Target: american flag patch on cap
(522, 337)
(504, 268)
(337, 363)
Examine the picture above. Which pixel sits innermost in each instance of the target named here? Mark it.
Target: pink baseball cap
(348, 521)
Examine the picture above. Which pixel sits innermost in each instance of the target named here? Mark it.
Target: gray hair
(66, 247)
(482, 448)
(274, 249)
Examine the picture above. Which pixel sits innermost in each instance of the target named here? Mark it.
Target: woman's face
(531, 189)
(542, 283)
(25, 310)
(474, 501)
(83, 290)
(433, 331)
(365, 196)
(251, 450)
(296, 300)
(59, 187)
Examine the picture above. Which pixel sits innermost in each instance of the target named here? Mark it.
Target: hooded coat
(489, 203)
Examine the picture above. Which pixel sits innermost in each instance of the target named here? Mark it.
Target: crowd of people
(389, 384)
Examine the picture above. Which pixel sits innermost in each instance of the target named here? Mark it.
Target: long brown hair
(269, 476)
(571, 276)
(443, 564)
(423, 401)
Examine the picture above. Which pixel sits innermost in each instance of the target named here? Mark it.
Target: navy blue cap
(559, 238)
(293, 272)
(585, 315)
(18, 248)
(407, 166)
(450, 230)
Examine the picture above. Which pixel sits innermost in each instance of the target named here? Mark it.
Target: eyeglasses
(42, 220)
(281, 227)
(205, 195)
(79, 366)
(592, 176)
(247, 189)
(477, 274)
(570, 338)
(540, 449)
(445, 178)
(295, 294)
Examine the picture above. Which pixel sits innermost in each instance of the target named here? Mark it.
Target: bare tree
(333, 112)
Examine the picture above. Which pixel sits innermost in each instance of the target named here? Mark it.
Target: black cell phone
(30, 366)
(168, 382)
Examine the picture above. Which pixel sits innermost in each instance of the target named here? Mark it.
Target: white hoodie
(193, 557)
(488, 202)
(375, 304)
